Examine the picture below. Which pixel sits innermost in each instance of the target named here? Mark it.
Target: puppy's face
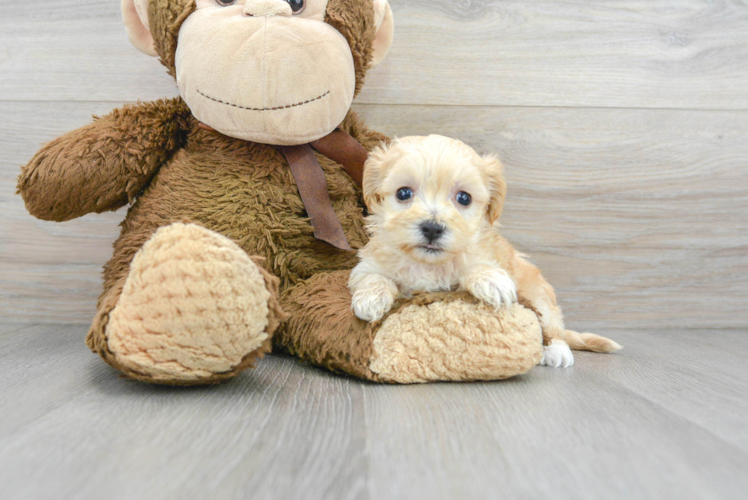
(430, 197)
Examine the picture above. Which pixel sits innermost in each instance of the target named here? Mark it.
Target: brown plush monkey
(217, 256)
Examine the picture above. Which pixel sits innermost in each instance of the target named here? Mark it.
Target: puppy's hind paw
(557, 355)
(371, 306)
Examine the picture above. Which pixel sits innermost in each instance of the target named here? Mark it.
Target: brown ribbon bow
(341, 148)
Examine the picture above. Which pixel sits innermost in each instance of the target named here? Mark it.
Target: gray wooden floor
(665, 419)
(624, 128)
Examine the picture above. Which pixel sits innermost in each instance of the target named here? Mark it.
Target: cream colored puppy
(434, 205)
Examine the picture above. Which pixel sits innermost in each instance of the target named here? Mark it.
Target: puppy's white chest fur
(418, 277)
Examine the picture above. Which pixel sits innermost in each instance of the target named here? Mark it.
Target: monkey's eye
(464, 198)
(404, 194)
(225, 3)
(297, 5)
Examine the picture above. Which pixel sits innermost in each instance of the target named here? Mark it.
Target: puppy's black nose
(432, 231)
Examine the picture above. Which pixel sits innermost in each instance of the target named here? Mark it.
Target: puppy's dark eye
(297, 5)
(464, 199)
(404, 194)
(225, 3)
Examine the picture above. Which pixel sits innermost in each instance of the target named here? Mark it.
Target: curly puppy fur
(434, 206)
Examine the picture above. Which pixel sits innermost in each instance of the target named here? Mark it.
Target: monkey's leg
(445, 336)
(191, 308)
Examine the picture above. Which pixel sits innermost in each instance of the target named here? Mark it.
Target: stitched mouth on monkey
(276, 108)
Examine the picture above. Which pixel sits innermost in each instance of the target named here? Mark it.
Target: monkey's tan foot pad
(455, 338)
(195, 309)
(431, 337)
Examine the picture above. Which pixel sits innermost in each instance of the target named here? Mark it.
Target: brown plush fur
(156, 157)
(355, 20)
(165, 18)
(244, 191)
(322, 328)
(104, 165)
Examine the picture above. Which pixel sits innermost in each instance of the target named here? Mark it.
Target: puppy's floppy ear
(494, 171)
(374, 169)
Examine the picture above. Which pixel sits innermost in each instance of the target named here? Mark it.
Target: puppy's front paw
(371, 305)
(557, 355)
(492, 286)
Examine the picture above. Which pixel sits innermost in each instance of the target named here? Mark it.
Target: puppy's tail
(589, 342)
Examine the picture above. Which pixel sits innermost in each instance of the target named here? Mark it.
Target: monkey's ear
(496, 186)
(385, 30)
(135, 16)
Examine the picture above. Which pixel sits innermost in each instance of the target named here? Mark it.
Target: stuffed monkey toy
(246, 209)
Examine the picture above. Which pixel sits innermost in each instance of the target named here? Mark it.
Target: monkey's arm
(104, 165)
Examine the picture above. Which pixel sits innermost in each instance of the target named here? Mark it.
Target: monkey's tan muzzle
(297, 76)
